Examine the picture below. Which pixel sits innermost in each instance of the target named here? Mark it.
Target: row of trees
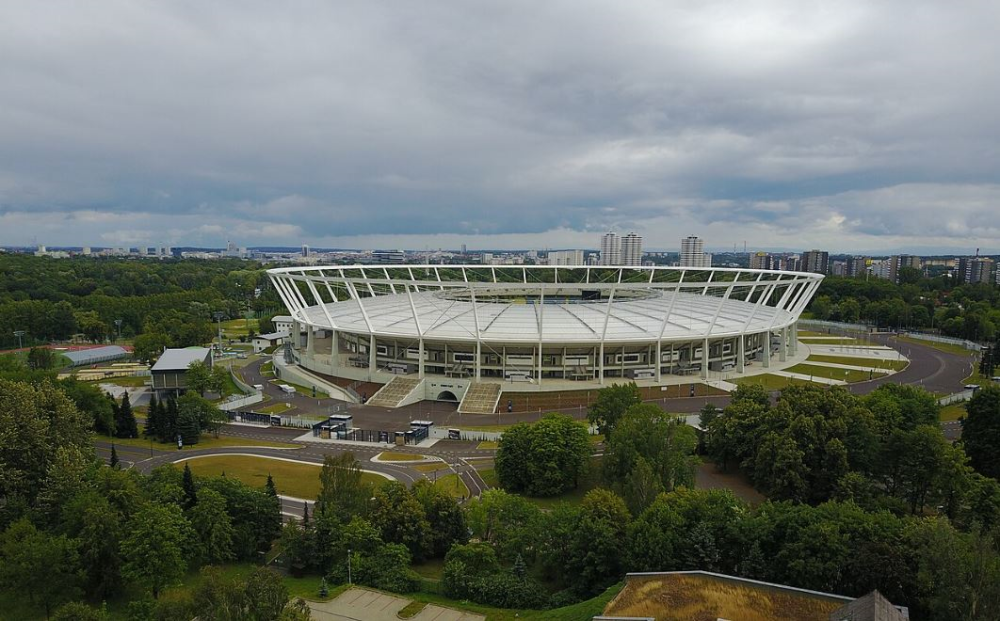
(964, 311)
(186, 416)
(884, 450)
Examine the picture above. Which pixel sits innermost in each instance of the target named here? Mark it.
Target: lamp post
(218, 319)
(118, 324)
(349, 566)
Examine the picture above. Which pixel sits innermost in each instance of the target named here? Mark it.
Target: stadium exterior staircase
(480, 398)
(393, 394)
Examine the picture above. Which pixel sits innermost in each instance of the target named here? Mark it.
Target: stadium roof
(180, 359)
(690, 317)
(95, 355)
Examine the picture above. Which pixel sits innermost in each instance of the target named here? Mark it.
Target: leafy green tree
(595, 559)
(42, 568)
(189, 416)
(199, 377)
(641, 486)
(446, 518)
(343, 491)
(154, 427)
(78, 611)
(125, 425)
(36, 421)
(981, 431)
(298, 548)
(91, 520)
(510, 523)
(545, 458)
(92, 401)
(219, 379)
(190, 492)
(41, 358)
(114, 457)
(387, 568)
(611, 404)
(646, 432)
(400, 518)
(147, 347)
(157, 547)
(213, 526)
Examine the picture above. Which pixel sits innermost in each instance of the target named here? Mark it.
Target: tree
(400, 518)
(154, 549)
(218, 379)
(509, 523)
(93, 402)
(114, 457)
(41, 358)
(595, 560)
(198, 377)
(646, 432)
(981, 431)
(190, 494)
(641, 486)
(42, 568)
(78, 611)
(155, 419)
(446, 518)
(196, 414)
(545, 458)
(125, 425)
(148, 346)
(612, 402)
(36, 421)
(343, 492)
(96, 525)
(213, 527)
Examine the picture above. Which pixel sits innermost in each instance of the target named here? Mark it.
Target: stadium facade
(540, 327)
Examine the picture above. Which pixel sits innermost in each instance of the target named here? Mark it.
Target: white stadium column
(372, 362)
(783, 352)
(794, 338)
(766, 350)
(741, 356)
(704, 359)
(420, 358)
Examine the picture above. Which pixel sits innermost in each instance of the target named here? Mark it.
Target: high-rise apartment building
(305, 250)
(972, 270)
(565, 257)
(693, 254)
(897, 262)
(611, 249)
(632, 249)
(762, 261)
(816, 261)
(856, 266)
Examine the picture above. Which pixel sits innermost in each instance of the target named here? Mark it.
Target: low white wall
(239, 404)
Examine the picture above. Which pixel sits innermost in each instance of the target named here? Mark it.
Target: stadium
(469, 332)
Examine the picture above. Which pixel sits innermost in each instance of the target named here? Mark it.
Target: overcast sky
(852, 126)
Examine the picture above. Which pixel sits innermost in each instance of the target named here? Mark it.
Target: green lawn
(895, 365)
(206, 441)
(127, 382)
(453, 485)
(581, 611)
(305, 391)
(290, 478)
(946, 347)
(277, 408)
(847, 375)
(590, 480)
(235, 328)
(489, 476)
(771, 382)
(840, 341)
(394, 456)
(954, 411)
(436, 466)
(487, 445)
(431, 569)
(267, 369)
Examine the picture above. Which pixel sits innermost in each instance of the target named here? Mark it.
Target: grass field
(771, 382)
(451, 484)
(846, 375)
(290, 478)
(206, 441)
(393, 456)
(954, 411)
(894, 365)
(840, 341)
(436, 466)
(488, 445)
(489, 476)
(946, 347)
(235, 328)
(127, 382)
(276, 408)
(305, 391)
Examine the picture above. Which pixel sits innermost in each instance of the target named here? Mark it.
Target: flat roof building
(170, 371)
(95, 355)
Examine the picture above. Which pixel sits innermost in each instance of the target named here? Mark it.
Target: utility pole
(118, 324)
(19, 334)
(218, 319)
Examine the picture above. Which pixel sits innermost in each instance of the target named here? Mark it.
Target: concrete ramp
(398, 392)
(480, 398)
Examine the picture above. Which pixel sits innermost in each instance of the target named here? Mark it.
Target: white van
(285, 388)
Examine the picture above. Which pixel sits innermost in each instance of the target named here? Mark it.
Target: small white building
(266, 341)
(282, 323)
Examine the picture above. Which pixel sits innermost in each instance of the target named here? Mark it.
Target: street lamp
(349, 566)
(218, 319)
(118, 324)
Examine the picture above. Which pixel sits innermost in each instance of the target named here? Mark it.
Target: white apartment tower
(632, 249)
(693, 254)
(565, 257)
(611, 249)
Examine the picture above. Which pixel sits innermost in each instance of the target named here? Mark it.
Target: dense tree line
(969, 311)
(159, 303)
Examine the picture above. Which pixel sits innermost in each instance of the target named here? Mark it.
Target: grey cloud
(511, 120)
